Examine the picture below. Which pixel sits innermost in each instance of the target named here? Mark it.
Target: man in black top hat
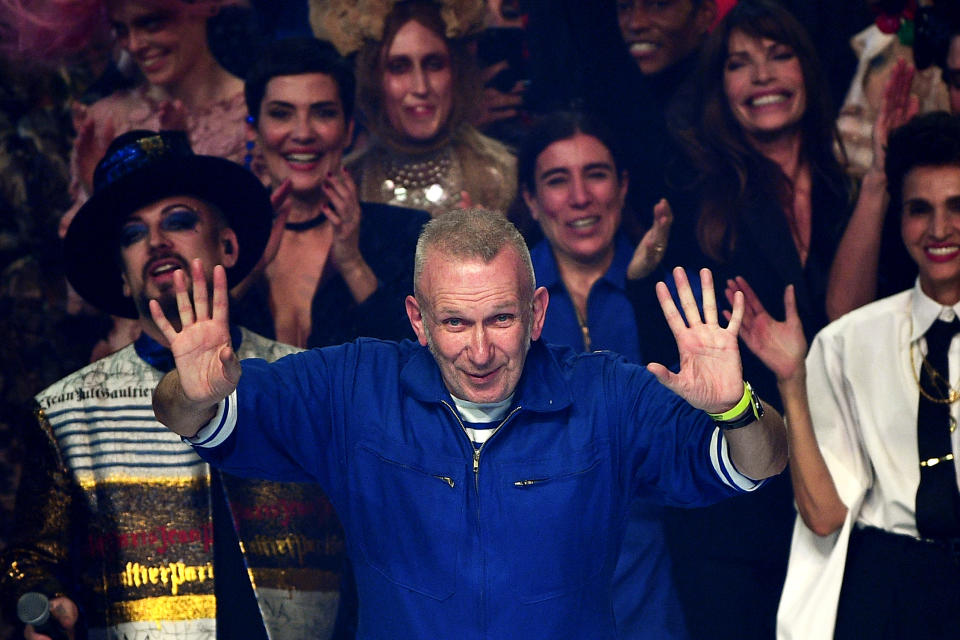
(141, 171)
(119, 520)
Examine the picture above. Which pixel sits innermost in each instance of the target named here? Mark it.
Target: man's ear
(540, 301)
(126, 286)
(229, 248)
(416, 319)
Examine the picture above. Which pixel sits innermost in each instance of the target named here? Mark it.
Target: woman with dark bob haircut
(342, 266)
(572, 181)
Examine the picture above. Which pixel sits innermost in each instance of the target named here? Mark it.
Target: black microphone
(34, 608)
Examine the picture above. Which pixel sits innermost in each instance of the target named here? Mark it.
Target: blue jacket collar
(542, 386)
(548, 274)
(159, 357)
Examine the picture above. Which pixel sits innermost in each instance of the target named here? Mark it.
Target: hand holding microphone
(35, 609)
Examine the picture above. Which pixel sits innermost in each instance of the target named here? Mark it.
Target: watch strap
(747, 411)
(737, 409)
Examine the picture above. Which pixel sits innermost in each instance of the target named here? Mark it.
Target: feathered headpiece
(50, 29)
(349, 24)
(54, 30)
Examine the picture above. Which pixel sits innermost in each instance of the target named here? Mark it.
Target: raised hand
(90, 145)
(897, 107)
(496, 105)
(207, 366)
(781, 346)
(649, 251)
(710, 377)
(343, 211)
(173, 116)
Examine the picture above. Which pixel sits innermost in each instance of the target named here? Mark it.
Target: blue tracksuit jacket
(518, 539)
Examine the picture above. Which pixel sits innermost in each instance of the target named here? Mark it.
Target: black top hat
(139, 168)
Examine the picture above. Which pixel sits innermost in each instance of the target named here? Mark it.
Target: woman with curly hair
(417, 87)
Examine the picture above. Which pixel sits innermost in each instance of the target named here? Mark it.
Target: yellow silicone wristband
(737, 409)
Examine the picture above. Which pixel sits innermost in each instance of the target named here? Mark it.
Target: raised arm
(343, 212)
(853, 274)
(782, 347)
(280, 201)
(207, 367)
(711, 377)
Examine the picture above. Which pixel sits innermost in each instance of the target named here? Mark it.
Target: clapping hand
(343, 211)
(207, 366)
(173, 116)
(781, 346)
(280, 201)
(710, 376)
(649, 251)
(91, 144)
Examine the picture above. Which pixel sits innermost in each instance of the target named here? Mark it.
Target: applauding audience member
(572, 180)
(342, 267)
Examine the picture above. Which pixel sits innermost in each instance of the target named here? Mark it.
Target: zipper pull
(527, 483)
(446, 479)
(476, 460)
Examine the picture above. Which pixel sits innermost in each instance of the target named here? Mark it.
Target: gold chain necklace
(937, 379)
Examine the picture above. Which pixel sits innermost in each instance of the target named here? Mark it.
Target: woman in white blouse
(865, 561)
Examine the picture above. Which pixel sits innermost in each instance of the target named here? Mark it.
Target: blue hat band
(139, 154)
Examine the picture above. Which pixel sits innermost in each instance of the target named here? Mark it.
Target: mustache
(153, 262)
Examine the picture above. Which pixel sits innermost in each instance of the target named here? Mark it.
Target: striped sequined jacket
(115, 510)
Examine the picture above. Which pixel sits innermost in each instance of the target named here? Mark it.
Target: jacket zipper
(476, 465)
(528, 483)
(476, 449)
(446, 479)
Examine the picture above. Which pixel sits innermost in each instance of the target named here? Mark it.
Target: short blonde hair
(471, 233)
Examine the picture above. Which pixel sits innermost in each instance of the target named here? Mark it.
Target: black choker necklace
(305, 224)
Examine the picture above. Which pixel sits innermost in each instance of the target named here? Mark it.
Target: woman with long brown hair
(773, 204)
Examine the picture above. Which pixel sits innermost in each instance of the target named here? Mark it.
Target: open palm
(781, 346)
(710, 376)
(206, 363)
